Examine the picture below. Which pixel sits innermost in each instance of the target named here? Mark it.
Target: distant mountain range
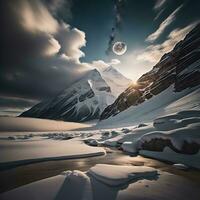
(106, 93)
(179, 68)
(85, 99)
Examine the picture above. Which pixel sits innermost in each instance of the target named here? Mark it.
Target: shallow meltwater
(22, 175)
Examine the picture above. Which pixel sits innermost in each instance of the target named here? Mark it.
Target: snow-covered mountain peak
(117, 82)
(84, 100)
(114, 72)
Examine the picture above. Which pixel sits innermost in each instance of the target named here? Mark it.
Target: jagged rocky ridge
(83, 101)
(180, 67)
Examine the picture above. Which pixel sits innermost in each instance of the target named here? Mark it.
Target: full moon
(119, 48)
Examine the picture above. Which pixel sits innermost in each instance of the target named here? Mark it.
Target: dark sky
(48, 44)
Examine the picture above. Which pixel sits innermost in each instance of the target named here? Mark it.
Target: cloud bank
(40, 55)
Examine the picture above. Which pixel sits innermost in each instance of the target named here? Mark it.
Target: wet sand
(22, 175)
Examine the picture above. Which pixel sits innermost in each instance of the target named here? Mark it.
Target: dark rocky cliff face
(180, 68)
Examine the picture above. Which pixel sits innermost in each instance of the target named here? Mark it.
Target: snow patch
(20, 152)
(115, 175)
(172, 102)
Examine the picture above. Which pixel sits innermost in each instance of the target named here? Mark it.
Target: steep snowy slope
(165, 103)
(117, 82)
(178, 69)
(82, 101)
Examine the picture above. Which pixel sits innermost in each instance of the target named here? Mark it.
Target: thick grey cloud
(39, 54)
(14, 106)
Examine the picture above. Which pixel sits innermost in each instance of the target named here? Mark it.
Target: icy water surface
(18, 176)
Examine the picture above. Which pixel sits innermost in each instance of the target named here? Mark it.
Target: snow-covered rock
(126, 130)
(142, 125)
(181, 166)
(172, 137)
(171, 156)
(184, 138)
(91, 142)
(130, 147)
(79, 180)
(115, 175)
